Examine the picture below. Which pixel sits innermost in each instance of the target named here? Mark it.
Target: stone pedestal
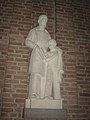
(43, 103)
(45, 114)
(43, 109)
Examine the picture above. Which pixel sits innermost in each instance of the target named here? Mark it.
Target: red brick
(72, 36)
(19, 100)
(7, 109)
(16, 95)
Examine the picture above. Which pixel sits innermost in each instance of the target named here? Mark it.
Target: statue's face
(43, 22)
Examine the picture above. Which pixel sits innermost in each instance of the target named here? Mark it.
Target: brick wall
(66, 40)
(4, 40)
(72, 35)
(72, 32)
(82, 38)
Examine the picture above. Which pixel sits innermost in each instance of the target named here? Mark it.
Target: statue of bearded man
(37, 39)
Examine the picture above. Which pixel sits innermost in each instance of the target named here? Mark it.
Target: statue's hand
(60, 75)
(61, 71)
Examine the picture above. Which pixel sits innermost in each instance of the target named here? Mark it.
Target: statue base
(43, 109)
(43, 103)
(45, 114)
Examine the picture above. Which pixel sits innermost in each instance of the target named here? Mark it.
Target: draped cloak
(36, 64)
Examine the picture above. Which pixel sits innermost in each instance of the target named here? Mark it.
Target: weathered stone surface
(43, 103)
(59, 114)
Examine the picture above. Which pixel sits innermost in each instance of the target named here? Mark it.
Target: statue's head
(42, 20)
(52, 43)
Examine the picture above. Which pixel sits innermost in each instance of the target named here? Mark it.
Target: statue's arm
(30, 39)
(60, 61)
(49, 56)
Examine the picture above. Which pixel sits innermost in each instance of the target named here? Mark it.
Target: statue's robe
(53, 78)
(36, 65)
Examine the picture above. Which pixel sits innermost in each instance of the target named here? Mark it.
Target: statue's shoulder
(33, 30)
(46, 31)
(59, 50)
(47, 34)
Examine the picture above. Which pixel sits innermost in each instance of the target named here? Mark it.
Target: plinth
(43, 109)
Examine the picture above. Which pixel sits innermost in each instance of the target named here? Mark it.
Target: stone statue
(37, 39)
(46, 66)
(54, 71)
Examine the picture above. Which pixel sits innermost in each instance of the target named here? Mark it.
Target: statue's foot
(49, 97)
(35, 96)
